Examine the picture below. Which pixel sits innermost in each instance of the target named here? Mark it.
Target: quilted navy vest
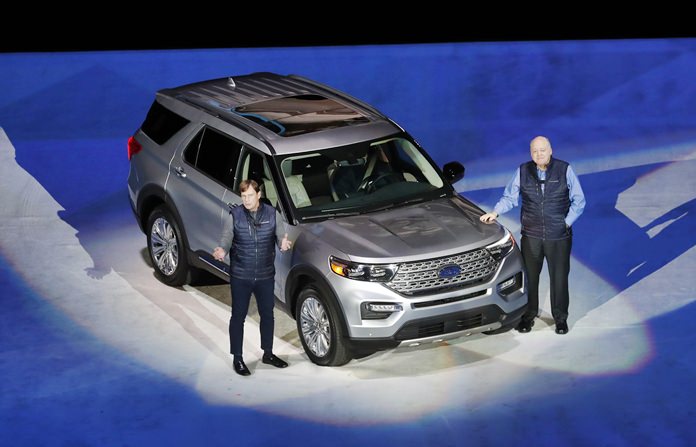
(253, 246)
(543, 213)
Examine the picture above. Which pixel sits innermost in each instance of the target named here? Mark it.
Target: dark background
(55, 27)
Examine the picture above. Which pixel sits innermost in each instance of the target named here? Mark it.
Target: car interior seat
(298, 193)
(313, 172)
(268, 188)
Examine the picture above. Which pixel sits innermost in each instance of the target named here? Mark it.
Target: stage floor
(90, 333)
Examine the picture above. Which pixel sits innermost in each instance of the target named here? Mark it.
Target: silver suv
(385, 250)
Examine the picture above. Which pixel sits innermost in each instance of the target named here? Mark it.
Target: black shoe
(240, 367)
(271, 359)
(561, 327)
(525, 326)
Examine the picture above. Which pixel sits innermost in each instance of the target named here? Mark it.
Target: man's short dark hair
(245, 184)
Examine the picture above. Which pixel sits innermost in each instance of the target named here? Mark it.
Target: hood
(431, 229)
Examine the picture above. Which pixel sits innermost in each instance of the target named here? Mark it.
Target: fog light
(382, 307)
(504, 285)
(378, 311)
(510, 285)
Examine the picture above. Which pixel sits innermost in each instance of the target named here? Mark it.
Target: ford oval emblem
(449, 271)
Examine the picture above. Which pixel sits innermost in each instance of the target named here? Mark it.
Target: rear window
(161, 123)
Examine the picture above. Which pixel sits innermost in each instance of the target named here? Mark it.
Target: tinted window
(253, 167)
(161, 123)
(191, 151)
(214, 154)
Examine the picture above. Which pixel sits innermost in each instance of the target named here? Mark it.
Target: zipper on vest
(256, 253)
(543, 217)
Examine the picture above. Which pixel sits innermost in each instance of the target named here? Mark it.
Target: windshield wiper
(393, 205)
(336, 210)
(382, 208)
(341, 212)
(330, 214)
(416, 200)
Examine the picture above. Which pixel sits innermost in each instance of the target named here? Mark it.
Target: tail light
(133, 147)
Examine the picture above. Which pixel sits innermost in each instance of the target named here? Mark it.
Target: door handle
(180, 172)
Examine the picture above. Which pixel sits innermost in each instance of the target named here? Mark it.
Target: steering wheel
(369, 184)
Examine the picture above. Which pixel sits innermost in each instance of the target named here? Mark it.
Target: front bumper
(444, 327)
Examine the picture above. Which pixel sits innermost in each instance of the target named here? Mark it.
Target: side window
(215, 155)
(191, 151)
(255, 167)
(161, 123)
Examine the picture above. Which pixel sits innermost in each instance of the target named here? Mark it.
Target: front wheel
(320, 329)
(166, 246)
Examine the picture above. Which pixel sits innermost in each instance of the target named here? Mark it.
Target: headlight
(363, 272)
(503, 247)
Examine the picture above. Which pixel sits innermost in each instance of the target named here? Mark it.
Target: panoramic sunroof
(297, 115)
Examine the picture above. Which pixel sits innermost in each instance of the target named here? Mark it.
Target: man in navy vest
(552, 199)
(252, 234)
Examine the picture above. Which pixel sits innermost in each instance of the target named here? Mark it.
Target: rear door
(201, 171)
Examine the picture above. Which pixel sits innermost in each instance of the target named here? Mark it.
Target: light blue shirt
(511, 195)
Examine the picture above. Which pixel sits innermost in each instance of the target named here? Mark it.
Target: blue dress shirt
(511, 195)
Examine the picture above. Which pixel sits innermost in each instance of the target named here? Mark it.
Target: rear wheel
(166, 247)
(320, 329)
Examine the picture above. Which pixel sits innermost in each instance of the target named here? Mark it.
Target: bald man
(552, 200)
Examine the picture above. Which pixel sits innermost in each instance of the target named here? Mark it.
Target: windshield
(360, 178)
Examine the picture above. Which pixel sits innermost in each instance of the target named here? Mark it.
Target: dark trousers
(241, 296)
(557, 254)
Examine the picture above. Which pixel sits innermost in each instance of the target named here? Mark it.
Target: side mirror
(453, 171)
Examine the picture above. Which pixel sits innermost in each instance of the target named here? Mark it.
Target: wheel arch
(302, 275)
(154, 196)
(149, 198)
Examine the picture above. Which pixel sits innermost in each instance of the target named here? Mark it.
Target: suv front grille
(417, 278)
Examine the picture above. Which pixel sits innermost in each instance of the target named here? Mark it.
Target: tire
(167, 248)
(320, 330)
